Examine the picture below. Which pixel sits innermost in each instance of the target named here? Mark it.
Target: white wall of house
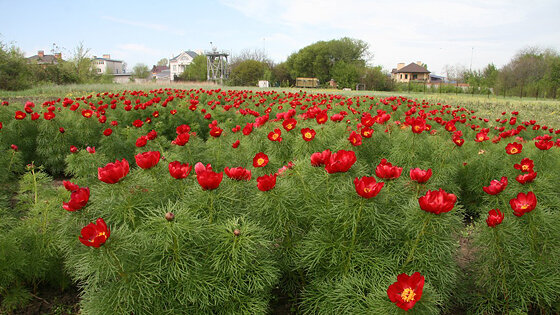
(178, 64)
(107, 65)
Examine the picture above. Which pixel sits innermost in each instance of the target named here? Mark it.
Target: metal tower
(217, 65)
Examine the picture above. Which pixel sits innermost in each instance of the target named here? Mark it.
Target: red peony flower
(544, 145)
(437, 202)
(78, 199)
(216, 131)
(367, 187)
(523, 203)
(207, 179)
(366, 132)
(355, 139)
(238, 173)
(73, 149)
(70, 186)
(247, 129)
(260, 160)
(90, 150)
(141, 141)
(322, 117)
(178, 170)
(340, 161)
(418, 125)
(308, 134)
(147, 159)
(95, 234)
(289, 124)
(235, 145)
(266, 182)
(481, 136)
(87, 113)
(495, 217)
(526, 165)
(526, 178)
(514, 148)
(320, 158)
(20, 115)
(138, 123)
(419, 175)
(35, 116)
(183, 129)
(61, 130)
(275, 135)
(14, 147)
(113, 172)
(107, 132)
(458, 141)
(152, 135)
(49, 115)
(496, 186)
(386, 170)
(407, 290)
(181, 139)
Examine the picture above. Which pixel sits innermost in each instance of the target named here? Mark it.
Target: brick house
(410, 73)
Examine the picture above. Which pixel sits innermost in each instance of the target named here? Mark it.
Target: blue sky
(436, 32)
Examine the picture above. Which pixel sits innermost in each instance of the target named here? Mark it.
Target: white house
(177, 64)
(106, 65)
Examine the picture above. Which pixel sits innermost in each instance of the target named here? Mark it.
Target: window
(414, 77)
(174, 67)
(98, 70)
(406, 76)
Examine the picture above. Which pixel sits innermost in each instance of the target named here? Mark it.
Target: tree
(82, 63)
(375, 79)
(15, 73)
(319, 60)
(196, 71)
(280, 75)
(248, 72)
(141, 71)
(163, 62)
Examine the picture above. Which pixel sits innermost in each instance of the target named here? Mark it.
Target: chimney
(107, 56)
(41, 53)
(419, 63)
(58, 56)
(400, 65)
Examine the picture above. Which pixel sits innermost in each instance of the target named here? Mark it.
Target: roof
(158, 69)
(44, 59)
(113, 60)
(413, 68)
(188, 52)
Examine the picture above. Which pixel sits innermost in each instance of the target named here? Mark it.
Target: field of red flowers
(211, 201)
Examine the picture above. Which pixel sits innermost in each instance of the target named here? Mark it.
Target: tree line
(532, 72)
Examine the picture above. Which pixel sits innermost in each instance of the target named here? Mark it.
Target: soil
(53, 302)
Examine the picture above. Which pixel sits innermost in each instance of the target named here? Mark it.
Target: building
(41, 59)
(106, 65)
(178, 64)
(160, 73)
(410, 73)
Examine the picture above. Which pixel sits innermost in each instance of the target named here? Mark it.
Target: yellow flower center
(525, 206)
(525, 167)
(289, 126)
(408, 295)
(366, 190)
(308, 135)
(260, 161)
(275, 136)
(513, 150)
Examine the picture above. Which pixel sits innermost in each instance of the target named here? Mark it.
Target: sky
(469, 33)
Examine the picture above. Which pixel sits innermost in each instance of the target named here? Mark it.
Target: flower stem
(417, 241)
(354, 233)
(501, 264)
(116, 261)
(211, 209)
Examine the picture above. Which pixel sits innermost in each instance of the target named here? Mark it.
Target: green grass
(544, 111)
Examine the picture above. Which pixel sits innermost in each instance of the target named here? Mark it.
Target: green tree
(163, 62)
(248, 72)
(319, 59)
(375, 79)
(15, 73)
(280, 75)
(141, 71)
(82, 64)
(196, 71)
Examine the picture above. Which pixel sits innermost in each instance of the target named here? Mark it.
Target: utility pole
(472, 53)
